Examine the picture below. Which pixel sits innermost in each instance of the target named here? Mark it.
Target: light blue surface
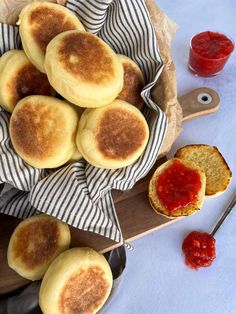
(156, 280)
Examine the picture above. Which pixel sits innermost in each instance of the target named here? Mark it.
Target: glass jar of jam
(209, 52)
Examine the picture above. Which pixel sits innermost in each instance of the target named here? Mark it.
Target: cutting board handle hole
(204, 98)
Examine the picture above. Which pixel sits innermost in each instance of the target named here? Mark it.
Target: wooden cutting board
(136, 216)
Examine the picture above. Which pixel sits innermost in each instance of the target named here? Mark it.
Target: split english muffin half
(43, 131)
(34, 244)
(39, 23)
(212, 163)
(83, 69)
(20, 78)
(78, 281)
(177, 188)
(113, 136)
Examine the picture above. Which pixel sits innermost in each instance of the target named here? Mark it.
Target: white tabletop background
(156, 280)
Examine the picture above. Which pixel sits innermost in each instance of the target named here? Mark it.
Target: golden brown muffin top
(120, 133)
(28, 81)
(84, 291)
(36, 242)
(133, 85)
(36, 128)
(84, 56)
(46, 23)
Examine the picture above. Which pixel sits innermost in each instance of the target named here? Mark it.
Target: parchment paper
(165, 91)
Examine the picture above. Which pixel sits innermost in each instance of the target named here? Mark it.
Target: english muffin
(34, 244)
(177, 188)
(78, 281)
(43, 131)
(212, 163)
(83, 69)
(39, 23)
(133, 82)
(113, 136)
(20, 78)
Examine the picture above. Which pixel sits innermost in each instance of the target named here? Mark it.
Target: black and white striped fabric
(11, 199)
(79, 193)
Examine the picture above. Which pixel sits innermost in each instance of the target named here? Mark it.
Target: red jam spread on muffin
(178, 186)
(199, 249)
(209, 52)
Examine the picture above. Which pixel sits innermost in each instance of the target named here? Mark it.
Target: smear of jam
(178, 186)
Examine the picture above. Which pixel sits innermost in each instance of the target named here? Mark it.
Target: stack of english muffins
(70, 95)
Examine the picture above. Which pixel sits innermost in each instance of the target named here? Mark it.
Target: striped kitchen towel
(79, 193)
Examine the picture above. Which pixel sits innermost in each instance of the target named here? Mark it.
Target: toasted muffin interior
(212, 163)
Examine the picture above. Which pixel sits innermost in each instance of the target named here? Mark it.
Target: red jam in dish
(209, 51)
(199, 249)
(178, 186)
